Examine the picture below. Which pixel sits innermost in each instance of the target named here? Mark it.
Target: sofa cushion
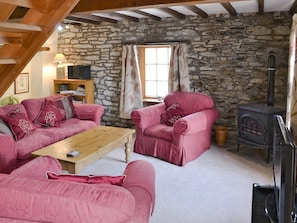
(49, 115)
(32, 106)
(172, 114)
(32, 142)
(19, 123)
(160, 131)
(114, 180)
(65, 104)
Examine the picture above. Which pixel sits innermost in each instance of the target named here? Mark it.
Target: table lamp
(60, 59)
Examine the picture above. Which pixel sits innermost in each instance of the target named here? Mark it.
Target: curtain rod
(158, 43)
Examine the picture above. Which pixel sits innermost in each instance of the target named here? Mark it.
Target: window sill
(151, 101)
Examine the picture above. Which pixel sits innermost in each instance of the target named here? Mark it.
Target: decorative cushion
(114, 180)
(172, 114)
(5, 129)
(66, 106)
(19, 123)
(49, 115)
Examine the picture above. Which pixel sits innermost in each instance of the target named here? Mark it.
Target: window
(154, 68)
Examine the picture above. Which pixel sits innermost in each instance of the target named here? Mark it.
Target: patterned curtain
(131, 93)
(178, 69)
(291, 115)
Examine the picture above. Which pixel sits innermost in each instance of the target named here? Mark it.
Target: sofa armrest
(89, 112)
(196, 122)
(147, 116)
(140, 175)
(38, 167)
(8, 154)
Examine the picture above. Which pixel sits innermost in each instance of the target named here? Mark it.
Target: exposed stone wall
(227, 58)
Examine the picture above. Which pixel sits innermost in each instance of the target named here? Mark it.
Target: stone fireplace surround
(227, 58)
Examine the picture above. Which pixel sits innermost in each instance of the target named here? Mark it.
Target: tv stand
(263, 199)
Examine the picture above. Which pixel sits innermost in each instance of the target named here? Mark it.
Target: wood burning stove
(255, 121)
(255, 126)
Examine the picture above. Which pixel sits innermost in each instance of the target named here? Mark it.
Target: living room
(236, 76)
(227, 59)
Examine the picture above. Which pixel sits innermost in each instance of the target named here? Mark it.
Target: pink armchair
(189, 136)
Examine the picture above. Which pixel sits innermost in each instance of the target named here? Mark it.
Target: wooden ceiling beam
(40, 5)
(174, 13)
(197, 11)
(104, 19)
(293, 8)
(85, 19)
(130, 18)
(85, 6)
(261, 6)
(157, 18)
(229, 8)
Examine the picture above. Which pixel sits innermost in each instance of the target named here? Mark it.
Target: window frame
(141, 51)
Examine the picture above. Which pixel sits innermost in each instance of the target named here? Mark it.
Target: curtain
(291, 113)
(178, 69)
(131, 93)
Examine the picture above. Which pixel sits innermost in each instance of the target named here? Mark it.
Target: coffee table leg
(127, 147)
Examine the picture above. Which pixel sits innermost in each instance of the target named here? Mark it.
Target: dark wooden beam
(293, 8)
(130, 18)
(174, 13)
(85, 19)
(104, 19)
(197, 11)
(118, 5)
(157, 18)
(261, 6)
(229, 8)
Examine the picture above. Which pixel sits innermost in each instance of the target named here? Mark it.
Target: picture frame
(21, 84)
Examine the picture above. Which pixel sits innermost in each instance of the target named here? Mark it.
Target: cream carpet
(216, 187)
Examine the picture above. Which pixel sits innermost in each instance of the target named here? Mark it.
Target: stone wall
(227, 58)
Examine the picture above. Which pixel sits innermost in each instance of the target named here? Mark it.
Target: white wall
(41, 72)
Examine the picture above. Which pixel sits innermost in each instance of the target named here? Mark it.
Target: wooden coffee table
(92, 144)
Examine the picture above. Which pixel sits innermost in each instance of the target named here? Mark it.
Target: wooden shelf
(73, 84)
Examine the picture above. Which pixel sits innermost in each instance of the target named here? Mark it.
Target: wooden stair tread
(18, 27)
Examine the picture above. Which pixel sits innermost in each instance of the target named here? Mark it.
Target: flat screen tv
(284, 161)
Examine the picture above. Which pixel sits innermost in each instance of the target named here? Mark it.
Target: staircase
(23, 32)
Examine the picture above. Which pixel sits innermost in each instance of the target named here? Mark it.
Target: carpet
(216, 187)
(252, 154)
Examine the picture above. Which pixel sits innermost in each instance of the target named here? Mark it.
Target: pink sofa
(190, 133)
(14, 153)
(28, 196)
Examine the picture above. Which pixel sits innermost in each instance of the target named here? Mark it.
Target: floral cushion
(114, 180)
(49, 115)
(172, 114)
(65, 104)
(19, 123)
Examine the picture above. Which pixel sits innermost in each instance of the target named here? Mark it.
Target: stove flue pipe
(270, 78)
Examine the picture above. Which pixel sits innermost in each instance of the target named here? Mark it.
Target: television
(284, 160)
(276, 203)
